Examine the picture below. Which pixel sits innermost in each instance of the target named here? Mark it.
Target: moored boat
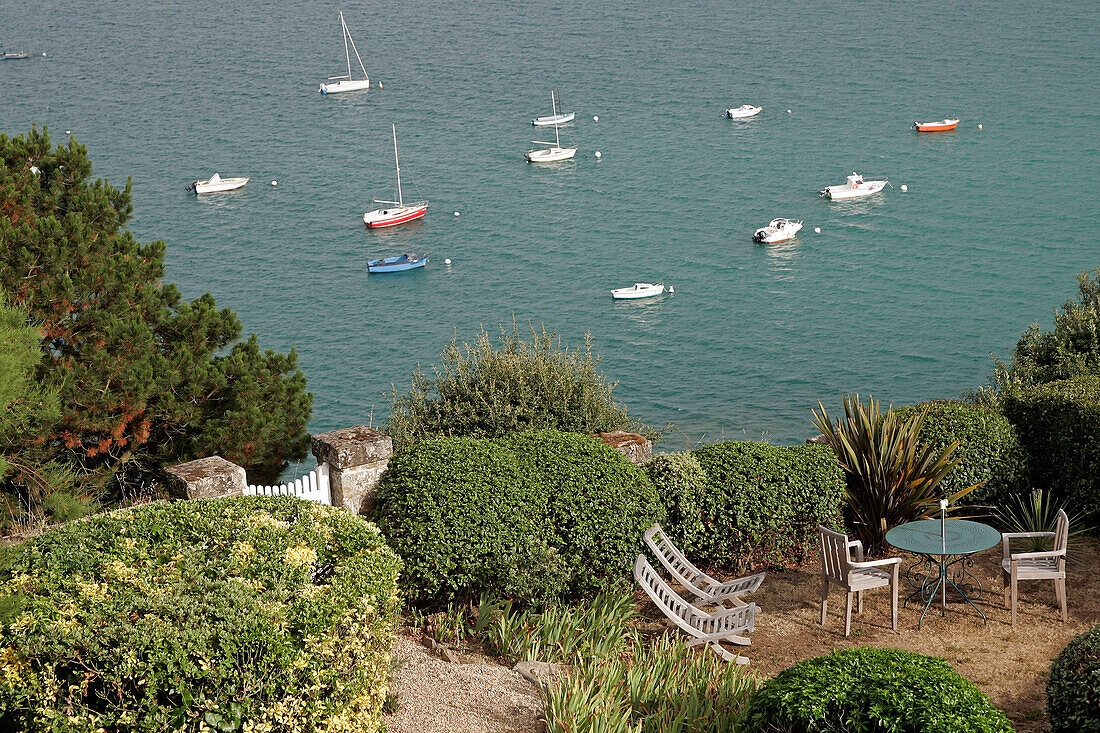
(941, 126)
(400, 211)
(558, 117)
(396, 264)
(15, 55)
(639, 290)
(745, 110)
(551, 154)
(346, 82)
(778, 230)
(854, 187)
(216, 184)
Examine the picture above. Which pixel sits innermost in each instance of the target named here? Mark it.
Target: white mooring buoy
(447, 261)
(595, 118)
(43, 53)
(817, 230)
(68, 132)
(979, 125)
(274, 183)
(904, 188)
(599, 154)
(457, 214)
(788, 111)
(671, 289)
(379, 85)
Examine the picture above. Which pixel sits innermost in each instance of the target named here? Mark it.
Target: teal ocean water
(903, 294)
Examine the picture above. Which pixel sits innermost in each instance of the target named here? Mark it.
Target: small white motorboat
(745, 110)
(346, 82)
(558, 118)
(855, 186)
(554, 153)
(216, 183)
(778, 230)
(639, 290)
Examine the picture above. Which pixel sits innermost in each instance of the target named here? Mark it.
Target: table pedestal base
(933, 574)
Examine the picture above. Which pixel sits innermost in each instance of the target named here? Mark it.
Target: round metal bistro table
(945, 549)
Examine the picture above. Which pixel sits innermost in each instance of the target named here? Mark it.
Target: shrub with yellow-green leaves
(258, 614)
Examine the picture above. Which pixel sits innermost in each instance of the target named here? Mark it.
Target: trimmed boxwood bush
(681, 482)
(989, 449)
(539, 516)
(761, 504)
(867, 689)
(245, 614)
(1059, 428)
(1073, 690)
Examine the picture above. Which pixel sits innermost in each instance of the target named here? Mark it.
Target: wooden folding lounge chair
(726, 624)
(1048, 565)
(838, 567)
(707, 589)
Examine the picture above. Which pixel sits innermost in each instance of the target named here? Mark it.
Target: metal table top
(962, 537)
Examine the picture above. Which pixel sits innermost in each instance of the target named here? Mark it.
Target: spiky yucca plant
(1037, 512)
(892, 478)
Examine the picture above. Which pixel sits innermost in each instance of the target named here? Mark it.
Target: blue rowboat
(397, 264)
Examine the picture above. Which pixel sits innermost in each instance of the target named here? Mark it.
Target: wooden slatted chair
(838, 567)
(706, 589)
(726, 624)
(1047, 565)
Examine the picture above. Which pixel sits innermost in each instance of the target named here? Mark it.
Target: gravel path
(479, 697)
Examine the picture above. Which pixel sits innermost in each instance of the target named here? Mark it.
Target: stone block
(354, 488)
(350, 447)
(206, 478)
(637, 448)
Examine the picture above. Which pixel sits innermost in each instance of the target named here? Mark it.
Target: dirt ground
(1009, 664)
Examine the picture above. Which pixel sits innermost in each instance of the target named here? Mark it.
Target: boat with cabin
(855, 186)
(639, 290)
(745, 110)
(400, 263)
(15, 55)
(778, 230)
(217, 184)
(558, 117)
(398, 212)
(346, 82)
(551, 154)
(941, 126)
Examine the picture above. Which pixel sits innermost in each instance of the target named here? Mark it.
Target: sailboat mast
(397, 164)
(553, 103)
(347, 54)
(557, 139)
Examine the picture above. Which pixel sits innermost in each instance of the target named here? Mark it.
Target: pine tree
(145, 378)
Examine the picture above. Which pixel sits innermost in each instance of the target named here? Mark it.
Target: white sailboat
(554, 153)
(558, 117)
(345, 82)
(399, 212)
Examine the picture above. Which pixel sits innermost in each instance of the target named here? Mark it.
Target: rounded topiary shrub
(680, 482)
(1059, 428)
(538, 516)
(761, 504)
(1073, 690)
(244, 614)
(989, 450)
(866, 689)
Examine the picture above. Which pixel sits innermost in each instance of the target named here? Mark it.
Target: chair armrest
(1037, 555)
(875, 563)
(858, 545)
(1007, 537)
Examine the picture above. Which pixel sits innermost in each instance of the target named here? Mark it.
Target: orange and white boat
(941, 126)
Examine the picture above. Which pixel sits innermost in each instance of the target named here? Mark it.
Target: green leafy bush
(489, 390)
(760, 504)
(1059, 428)
(989, 451)
(538, 516)
(1073, 689)
(873, 690)
(682, 484)
(257, 614)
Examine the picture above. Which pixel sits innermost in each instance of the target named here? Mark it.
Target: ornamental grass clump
(247, 614)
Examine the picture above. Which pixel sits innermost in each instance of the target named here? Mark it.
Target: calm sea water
(904, 294)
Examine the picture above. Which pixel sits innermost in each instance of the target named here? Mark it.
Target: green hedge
(1059, 428)
(1073, 689)
(539, 516)
(257, 614)
(681, 484)
(867, 689)
(760, 504)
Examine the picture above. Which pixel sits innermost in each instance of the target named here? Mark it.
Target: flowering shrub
(258, 614)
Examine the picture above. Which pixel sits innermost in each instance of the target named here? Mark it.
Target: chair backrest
(1061, 530)
(675, 562)
(835, 555)
(669, 601)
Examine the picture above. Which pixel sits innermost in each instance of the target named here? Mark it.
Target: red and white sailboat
(941, 126)
(399, 212)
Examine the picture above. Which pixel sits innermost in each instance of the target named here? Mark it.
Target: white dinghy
(855, 186)
(745, 110)
(558, 118)
(346, 82)
(639, 290)
(554, 153)
(778, 230)
(216, 183)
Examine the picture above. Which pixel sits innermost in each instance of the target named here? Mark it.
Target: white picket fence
(314, 486)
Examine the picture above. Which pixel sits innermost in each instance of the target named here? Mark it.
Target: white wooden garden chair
(838, 567)
(1046, 565)
(726, 624)
(705, 588)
